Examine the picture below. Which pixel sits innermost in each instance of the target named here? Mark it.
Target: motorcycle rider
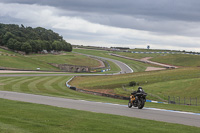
(133, 96)
(140, 89)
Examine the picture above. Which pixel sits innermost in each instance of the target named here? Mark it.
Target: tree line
(28, 39)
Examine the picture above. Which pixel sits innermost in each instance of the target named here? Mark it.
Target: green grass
(2, 51)
(143, 78)
(176, 88)
(67, 58)
(114, 67)
(47, 85)
(179, 60)
(182, 82)
(32, 62)
(21, 62)
(55, 86)
(136, 66)
(173, 59)
(21, 117)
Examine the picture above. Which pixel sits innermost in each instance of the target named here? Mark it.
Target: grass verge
(21, 117)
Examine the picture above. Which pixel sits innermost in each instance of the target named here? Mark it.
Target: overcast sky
(162, 24)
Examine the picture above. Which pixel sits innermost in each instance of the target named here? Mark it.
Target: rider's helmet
(140, 89)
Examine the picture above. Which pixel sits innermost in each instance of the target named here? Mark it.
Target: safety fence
(194, 101)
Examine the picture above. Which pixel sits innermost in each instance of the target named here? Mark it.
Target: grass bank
(183, 82)
(32, 62)
(21, 117)
(172, 59)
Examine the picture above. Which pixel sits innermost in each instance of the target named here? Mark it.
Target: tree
(67, 46)
(33, 45)
(11, 43)
(55, 45)
(48, 46)
(14, 36)
(1, 40)
(38, 47)
(26, 47)
(59, 46)
(6, 37)
(18, 45)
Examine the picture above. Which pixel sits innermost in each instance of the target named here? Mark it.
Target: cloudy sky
(162, 24)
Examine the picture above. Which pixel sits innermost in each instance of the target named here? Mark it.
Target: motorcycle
(137, 99)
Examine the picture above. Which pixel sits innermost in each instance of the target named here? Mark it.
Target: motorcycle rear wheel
(140, 104)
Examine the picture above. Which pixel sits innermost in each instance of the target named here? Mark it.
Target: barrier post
(168, 99)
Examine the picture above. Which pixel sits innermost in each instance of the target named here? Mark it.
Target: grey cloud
(167, 17)
(159, 16)
(187, 10)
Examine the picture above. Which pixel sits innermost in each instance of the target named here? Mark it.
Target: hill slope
(12, 60)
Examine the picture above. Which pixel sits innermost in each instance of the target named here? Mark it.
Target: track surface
(124, 68)
(185, 118)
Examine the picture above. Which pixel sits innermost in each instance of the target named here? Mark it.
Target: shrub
(132, 83)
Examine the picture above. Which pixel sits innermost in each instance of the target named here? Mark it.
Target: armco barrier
(101, 94)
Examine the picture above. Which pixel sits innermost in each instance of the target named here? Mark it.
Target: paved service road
(185, 118)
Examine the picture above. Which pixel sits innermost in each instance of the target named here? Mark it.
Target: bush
(132, 83)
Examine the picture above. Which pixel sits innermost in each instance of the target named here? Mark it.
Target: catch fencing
(193, 101)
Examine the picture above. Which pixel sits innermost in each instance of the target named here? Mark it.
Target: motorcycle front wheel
(140, 104)
(130, 104)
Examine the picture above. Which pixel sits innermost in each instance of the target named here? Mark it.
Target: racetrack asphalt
(124, 68)
(185, 118)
